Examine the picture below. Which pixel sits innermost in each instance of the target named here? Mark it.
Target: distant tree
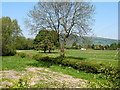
(118, 44)
(87, 41)
(80, 46)
(10, 30)
(65, 18)
(22, 43)
(106, 47)
(46, 40)
(89, 46)
(29, 43)
(75, 46)
(92, 46)
(97, 47)
(113, 46)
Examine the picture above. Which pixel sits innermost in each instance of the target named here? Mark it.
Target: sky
(105, 25)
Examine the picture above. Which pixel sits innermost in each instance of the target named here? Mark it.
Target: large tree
(10, 30)
(65, 18)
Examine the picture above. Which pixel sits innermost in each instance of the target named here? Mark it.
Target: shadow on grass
(41, 64)
(48, 52)
(79, 58)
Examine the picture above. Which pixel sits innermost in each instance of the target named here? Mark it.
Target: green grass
(105, 57)
(96, 56)
(19, 64)
(15, 63)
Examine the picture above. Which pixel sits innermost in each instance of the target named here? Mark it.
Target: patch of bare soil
(41, 78)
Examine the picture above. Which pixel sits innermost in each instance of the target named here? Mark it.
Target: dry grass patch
(40, 78)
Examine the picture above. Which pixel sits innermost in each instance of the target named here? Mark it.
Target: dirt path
(40, 78)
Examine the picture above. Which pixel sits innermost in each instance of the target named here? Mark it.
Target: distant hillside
(103, 41)
(93, 40)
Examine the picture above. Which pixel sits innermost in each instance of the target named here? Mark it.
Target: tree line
(113, 46)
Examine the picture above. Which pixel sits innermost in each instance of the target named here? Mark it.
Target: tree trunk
(44, 51)
(62, 51)
(49, 51)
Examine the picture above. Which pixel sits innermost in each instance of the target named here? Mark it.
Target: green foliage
(22, 43)
(8, 50)
(36, 57)
(22, 55)
(22, 82)
(112, 74)
(56, 60)
(75, 46)
(46, 40)
(97, 47)
(113, 46)
(10, 30)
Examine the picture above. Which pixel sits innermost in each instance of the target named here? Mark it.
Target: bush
(8, 51)
(37, 57)
(22, 55)
(82, 65)
(112, 74)
(56, 60)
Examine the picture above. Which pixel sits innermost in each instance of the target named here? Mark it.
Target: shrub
(22, 55)
(58, 60)
(8, 51)
(112, 74)
(36, 57)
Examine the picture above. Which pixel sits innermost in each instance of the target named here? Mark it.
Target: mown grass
(15, 63)
(105, 57)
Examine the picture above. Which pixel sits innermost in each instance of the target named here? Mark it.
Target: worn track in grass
(41, 78)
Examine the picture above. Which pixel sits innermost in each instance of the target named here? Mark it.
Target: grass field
(18, 66)
(105, 57)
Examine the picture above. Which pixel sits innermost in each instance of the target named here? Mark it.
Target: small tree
(75, 46)
(46, 40)
(97, 47)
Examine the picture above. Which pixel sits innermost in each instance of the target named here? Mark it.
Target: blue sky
(105, 25)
